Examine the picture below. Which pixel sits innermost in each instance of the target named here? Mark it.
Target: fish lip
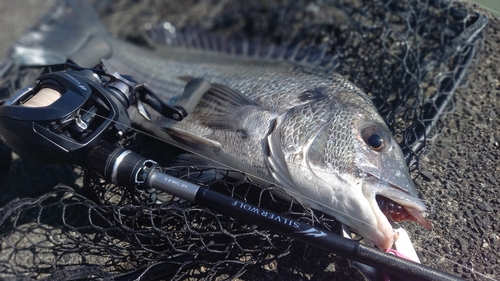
(413, 205)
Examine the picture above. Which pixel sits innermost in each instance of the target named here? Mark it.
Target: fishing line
(295, 194)
(291, 192)
(491, 10)
(455, 263)
(280, 188)
(47, 96)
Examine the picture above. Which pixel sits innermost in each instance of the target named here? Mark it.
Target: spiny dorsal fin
(307, 56)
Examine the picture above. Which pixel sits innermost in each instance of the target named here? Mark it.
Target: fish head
(342, 159)
(386, 182)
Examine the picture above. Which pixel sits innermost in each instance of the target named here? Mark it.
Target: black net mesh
(409, 56)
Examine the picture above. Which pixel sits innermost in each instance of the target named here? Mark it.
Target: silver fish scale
(246, 146)
(339, 150)
(333, 147)
(280, 91)
(302, 123)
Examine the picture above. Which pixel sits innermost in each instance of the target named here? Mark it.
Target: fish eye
(375, 137)
(375, 141)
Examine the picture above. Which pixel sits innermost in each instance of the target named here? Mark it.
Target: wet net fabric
(410, 57)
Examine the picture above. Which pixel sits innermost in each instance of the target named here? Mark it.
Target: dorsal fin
(308, 56)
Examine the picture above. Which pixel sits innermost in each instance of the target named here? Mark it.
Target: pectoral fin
(275, 159)
(194, 90)
(220, 106)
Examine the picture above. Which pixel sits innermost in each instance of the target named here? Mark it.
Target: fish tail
(71, 31)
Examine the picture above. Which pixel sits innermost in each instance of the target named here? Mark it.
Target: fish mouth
(397, 213)
(396, 204)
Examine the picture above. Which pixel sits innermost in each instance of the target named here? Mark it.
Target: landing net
(410, 57)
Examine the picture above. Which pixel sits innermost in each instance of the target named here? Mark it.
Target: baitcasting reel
(64, 115)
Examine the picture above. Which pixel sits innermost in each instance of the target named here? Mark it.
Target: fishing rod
(80, 116)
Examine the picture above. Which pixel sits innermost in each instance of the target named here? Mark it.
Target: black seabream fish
(318, 137)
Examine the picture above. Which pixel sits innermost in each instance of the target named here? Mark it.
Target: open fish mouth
(395, 203)
(397, 213)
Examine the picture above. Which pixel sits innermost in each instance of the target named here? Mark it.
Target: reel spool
(44, 97)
